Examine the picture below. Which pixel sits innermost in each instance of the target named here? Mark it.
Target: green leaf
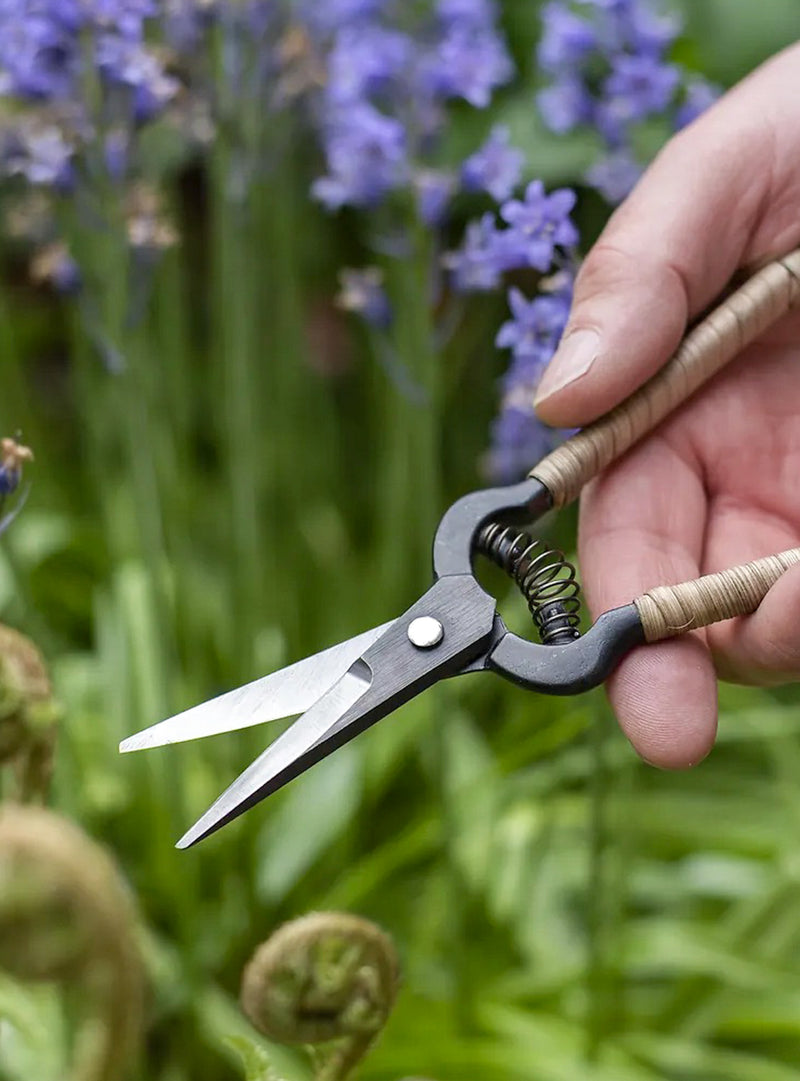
(315, 810)
(34, 1037)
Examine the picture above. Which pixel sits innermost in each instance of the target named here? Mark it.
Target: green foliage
(251, 487)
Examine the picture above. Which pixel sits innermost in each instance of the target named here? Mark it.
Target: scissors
(454, 628)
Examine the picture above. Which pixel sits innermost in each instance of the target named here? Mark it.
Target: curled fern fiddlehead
(65, 915)
(28, 715)
(325, 977)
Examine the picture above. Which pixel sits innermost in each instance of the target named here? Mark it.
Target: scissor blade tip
(200, 830)
(139, 741)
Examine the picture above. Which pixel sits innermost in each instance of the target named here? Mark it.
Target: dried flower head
(53, 265)
(13, 455)
(301, 65)
(148, 227)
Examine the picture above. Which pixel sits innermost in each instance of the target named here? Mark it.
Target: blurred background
(277, 281)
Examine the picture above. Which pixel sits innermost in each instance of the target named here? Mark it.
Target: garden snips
(454, 627)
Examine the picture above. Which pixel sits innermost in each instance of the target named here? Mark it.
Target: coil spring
(544, 576)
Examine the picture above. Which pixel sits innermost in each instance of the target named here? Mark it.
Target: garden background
(255, 264)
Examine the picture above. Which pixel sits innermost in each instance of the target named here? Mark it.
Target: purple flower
(44, 46)
(639, 86)
(433, 190)
(566, 38)
(366, 153)
(649, 30)
(495, 168)
(39, 152)
(390, 69)
(615, 175)
(128, 63)
(542, 222)
(480, 14)
(116, 151)
(37, 55)
(698, 97)
(518, 439)
(474, 266)
(327, 17)
(536, 327)
(366, 61)
(608, 68)
(565, 104)
(468, 63)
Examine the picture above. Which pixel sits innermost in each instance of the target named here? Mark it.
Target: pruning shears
(454, 628)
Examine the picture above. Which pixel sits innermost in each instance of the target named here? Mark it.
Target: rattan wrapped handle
(738, 321)
(671, 610)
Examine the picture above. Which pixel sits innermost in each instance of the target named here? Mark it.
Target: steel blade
(291, 748)
(283, 693)
(395, 668)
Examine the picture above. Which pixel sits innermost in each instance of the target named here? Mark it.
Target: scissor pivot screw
(425, 632)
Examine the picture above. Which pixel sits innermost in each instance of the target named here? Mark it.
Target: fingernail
(573, 358)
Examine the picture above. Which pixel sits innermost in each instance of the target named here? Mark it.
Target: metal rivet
(425, 632)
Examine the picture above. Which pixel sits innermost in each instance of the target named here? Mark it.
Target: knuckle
(614, 269)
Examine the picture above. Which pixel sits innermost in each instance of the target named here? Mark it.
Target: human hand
(718, 483)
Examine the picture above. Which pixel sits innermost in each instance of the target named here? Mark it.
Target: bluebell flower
(44, 45)
(640, 86)
(540, 233)
(534, 331)
(518, 439)
(390, 69)
(116, 152)
(542, 223)
(434, 190)
(129, 63)
(367, 157)
(699, 95)
(608, 68)
(615, 175)
(567, 38)
(565, 104)
(474, 266)
(477, 14)
(38, 151)
(367, 61)
(327, 16)
(495, 168)
(468, 63)
(362, 292)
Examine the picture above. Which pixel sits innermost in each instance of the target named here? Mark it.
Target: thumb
(722, 193)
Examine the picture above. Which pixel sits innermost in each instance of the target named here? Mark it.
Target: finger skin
(642, 524)
(765, 647)
(744, 429)
(722, 194)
